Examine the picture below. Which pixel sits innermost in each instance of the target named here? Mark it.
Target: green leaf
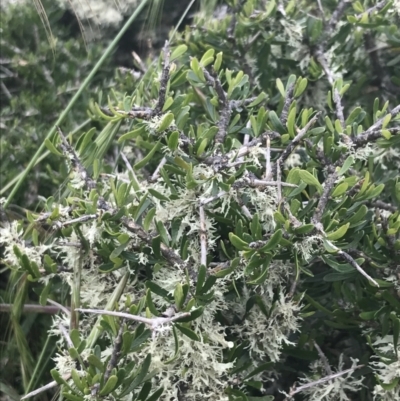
(148, 157)
(179, 296)
(259, 369)
(281, 88)
(276, 122)
(225, 272)
(346, 165)
(132, 134)
(173, 140)
(273, 241)
(187, 332)
(144, 392)
(178, 51)
(93, 360)
(163, 232)
(264, 273)
(150, 303)
(156, 395)
(290, 124)
(353, 115)
(158, 195)
(262, 96)
(309, 179)
(201, 278)
(339, 233)
(76, 379)
(194, 314)
(238, 243)
(301, 87)
(49, 145)
(176, 340)
(340, 189)
(109, 386)
(165, 122)
(149, 218)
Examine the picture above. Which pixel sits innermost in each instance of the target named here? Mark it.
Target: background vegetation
(237, 198)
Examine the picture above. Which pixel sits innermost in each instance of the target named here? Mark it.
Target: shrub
(232, 230)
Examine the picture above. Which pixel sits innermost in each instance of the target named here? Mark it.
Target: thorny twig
(268, 170)
(288, 102)
(154, 323)
(294, 143)
(128, 165)
(75, 162)
(112, 363)
(163, 80)
(224, 104)
(203, 236)
(294, 390)
(323, 358)
(376, 7)
(374, 131)
(156, 173)
(45, 388)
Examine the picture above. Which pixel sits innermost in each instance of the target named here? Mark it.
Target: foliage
(37, 82)
(231, 231)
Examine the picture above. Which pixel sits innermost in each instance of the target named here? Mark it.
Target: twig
(163, 80)
(237, 104)
(112, 363)
(336, 16)
(32, 308)
(154, 323)
(383, 205)
(203, 236)
(374, 131)
(254, 182)
(323, 200)
(279, 181)
(339, 108)
(369, 136)
(224, 104)
(156, 173)
(376, 7)
(294, 143)
(74, 159)
(323, 358)
(213, 198)
(61, 307)
(66, 336)
(44, 388)
(82, 219)
(128, 165)
(268, 171)
(353, 263)
(219, 162)
(288, 102)
(325, 379)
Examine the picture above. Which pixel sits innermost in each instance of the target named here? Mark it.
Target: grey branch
(164, 80)
(294, 143)
(325, 379)
(224, 104)
(203, 236)
(75, 162)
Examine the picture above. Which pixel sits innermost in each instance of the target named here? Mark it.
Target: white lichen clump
(387, 369)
